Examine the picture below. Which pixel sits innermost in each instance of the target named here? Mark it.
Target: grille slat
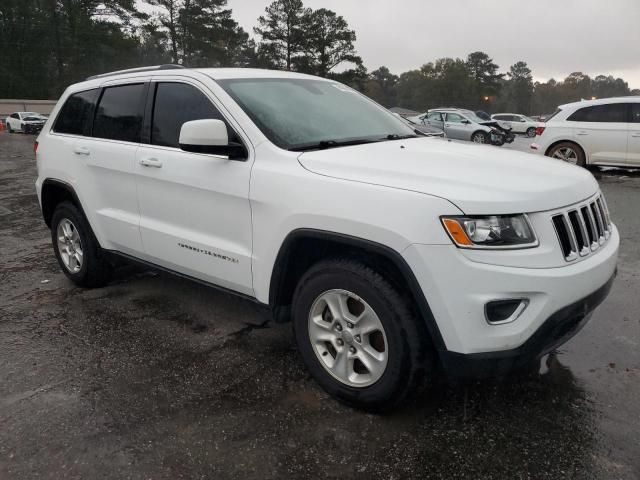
(583, 229)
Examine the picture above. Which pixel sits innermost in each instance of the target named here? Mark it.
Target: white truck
(395, 255)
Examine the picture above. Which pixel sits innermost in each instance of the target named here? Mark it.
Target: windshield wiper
(395, 136)
(325, 144)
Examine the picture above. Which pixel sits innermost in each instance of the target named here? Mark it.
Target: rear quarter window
(76, 113)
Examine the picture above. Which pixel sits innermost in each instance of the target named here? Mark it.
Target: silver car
(457, 124)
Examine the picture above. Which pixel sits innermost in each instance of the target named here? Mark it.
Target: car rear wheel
(9, 128)
(531, 132)
(480, 137)
(358, 337)
(568, 152)
(76, 248)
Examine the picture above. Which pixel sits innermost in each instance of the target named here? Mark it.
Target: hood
(478, 179)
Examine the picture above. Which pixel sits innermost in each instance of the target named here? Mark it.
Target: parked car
(463, 124)
(395, 256)
(428, 130)
(594, 132)
(518, 123)
(25, 122)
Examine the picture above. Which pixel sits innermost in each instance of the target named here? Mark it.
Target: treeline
(47, 44)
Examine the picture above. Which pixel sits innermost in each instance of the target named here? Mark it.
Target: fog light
(504, 311)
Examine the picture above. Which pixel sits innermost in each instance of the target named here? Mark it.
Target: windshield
(295, 113)
(473, 117)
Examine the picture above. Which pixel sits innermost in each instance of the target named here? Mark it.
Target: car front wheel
(480, 137)
(358, 337)
(531, 132)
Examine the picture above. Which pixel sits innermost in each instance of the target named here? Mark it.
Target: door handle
(151, 162)
(582, 133)
(81, 150)
(447, 124)
(635, 134)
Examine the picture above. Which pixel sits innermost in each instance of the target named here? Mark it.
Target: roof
(602, 101)
(173, 70)
(224, 73)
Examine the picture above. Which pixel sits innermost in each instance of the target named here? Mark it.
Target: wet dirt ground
(157, 377)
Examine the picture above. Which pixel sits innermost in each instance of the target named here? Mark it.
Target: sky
(554, 37)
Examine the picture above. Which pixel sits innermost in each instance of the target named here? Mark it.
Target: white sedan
(25, 122)
(518, 123)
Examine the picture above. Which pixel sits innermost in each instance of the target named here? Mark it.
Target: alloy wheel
(566, 154)
(478, 138)
(348, 338)
(69, 245)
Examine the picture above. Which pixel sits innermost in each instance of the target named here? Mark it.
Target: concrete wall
(8, 106)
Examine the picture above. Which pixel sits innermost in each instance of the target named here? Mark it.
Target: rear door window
(119, 113)
(76, 113)
(612, 113)
(175, 104)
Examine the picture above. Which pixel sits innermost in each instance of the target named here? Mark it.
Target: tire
(94, 269)
(531, 132)
(9, 128)
(480, 137)
(568, 152)
(403, 339)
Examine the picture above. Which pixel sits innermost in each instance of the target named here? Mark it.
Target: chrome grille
(583, 229)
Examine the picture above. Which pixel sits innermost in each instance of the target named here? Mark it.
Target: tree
(211, 37)
(169, 20)
(485, 75)
(328, 42)
(381, 87)
(283, 30)
(354, 77)
(520, 87)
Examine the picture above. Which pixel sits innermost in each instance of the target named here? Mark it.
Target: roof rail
(168, 66)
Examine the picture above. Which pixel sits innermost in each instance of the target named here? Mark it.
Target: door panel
(195, 211)
(454, 128)
(602, 130)
(109, 155)
(113, 200)
(605, 143)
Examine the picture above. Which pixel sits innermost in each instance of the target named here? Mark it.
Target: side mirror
(210, 136)
(465, 121)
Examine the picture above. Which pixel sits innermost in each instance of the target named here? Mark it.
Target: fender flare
(47, 210)
(278, 273)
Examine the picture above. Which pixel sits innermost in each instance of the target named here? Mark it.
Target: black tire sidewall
(529, 130)
(391, 382)
(68, 211)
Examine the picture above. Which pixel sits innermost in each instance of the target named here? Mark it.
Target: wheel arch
(53, 192)
(302, 248)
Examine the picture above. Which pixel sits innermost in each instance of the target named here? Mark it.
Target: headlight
(491, 231)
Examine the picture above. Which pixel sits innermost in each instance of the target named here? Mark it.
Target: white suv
(517, 123)
(596, 132)
(393, 254)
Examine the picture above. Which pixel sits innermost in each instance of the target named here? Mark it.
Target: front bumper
(457, 289)
(555, 331)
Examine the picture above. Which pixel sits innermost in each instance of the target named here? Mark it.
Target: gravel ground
(156, 377)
